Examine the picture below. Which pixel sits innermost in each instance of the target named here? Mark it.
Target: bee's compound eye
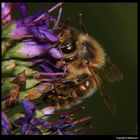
(68, 82)
(68, 48)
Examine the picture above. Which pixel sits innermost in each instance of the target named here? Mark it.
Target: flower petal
(55, 53)
(22, 120)
(29, 107)
(48, 110)
(50, 36)
(5, 122)
(6, 14)
(27, 49)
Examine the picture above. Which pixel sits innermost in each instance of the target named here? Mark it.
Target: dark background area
(114, 26)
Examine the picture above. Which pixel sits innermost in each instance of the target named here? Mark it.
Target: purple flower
(43, 34)
(6, 12)
(34, 27)
(29, 122)
(19, 31)
(31, 49)
(34, 39)
(6, 125)
(27, 129)
(48, 110)
(29, 107)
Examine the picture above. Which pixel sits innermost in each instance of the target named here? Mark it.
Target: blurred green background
(114, 25)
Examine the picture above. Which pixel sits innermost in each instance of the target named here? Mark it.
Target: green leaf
(8, 66)
(7, 30)
(7, 85)
(28, 71)
(24, 63)
(31, 83)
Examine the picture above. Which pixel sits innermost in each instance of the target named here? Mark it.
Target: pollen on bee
(82, 87)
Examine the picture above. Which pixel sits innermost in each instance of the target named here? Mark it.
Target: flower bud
(7, 84)
(55, 53)
(28, 71)
(27, 49)
(16, 31)
(8, 66)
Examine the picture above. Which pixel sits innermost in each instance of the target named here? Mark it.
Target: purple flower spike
(29, 107)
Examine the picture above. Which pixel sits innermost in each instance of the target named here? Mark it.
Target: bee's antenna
(65, 25)
(80, 22)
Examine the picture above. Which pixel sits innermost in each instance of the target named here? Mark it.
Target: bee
(88, 69)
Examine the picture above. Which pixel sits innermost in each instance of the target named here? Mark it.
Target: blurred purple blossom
(6, 125)
(6, 12)
(35, 41)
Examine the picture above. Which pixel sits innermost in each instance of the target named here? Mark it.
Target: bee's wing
(109, 73)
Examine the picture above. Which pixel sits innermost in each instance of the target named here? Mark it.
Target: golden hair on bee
(90, 50)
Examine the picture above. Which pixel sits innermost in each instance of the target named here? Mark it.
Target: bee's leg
(80, 22)
(84, 128)
(48, 80)
(68, 82)
(53, 79)
(62, 61)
